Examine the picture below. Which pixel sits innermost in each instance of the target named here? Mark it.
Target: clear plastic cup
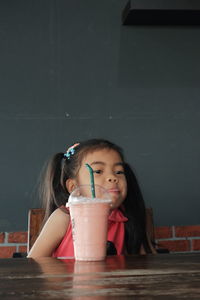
(89, 217)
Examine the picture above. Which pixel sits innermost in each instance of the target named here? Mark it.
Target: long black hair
(54, 193)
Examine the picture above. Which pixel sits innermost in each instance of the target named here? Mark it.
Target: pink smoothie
(89, 229)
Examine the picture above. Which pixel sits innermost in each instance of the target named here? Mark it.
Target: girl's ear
(70, 185)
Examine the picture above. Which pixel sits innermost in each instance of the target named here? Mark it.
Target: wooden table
(161, 276)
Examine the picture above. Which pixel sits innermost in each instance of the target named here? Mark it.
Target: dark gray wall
(70, 71)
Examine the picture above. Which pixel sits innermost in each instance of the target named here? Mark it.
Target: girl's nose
(112, 179)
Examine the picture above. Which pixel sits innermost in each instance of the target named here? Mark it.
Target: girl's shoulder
(59, 216)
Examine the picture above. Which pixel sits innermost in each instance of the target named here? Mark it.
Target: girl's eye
(119, 172)
(97, 171)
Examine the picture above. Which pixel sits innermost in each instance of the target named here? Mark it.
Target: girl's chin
(115, 204)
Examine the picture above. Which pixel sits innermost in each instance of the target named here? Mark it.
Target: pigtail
(52, 190)
(135, 227)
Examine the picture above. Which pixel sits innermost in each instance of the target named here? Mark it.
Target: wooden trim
(35, 218)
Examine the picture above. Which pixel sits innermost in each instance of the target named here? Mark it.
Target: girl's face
(108, 173)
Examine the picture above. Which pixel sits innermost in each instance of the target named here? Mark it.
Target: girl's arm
(51, 235)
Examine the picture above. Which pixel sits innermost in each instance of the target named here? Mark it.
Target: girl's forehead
(102, 155)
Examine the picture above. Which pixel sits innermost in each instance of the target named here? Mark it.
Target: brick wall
(179, 238)
(12, 242)
(174, 238)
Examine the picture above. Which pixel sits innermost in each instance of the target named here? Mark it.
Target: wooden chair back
(36, 216)
(150, 224)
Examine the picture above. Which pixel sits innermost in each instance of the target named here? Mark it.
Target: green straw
(91, 179)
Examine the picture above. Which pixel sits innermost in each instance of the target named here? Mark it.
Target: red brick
(175, 245)
(7, 251)
(185, 231)
(2, 237)
(163, 232)
(22, 249)
(196, 244)
(17, 237)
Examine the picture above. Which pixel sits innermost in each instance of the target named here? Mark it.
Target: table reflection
(78, 279)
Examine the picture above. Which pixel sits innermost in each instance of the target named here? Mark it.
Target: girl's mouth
(115, 191)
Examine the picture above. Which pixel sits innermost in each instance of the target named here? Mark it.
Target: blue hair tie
(70, 151)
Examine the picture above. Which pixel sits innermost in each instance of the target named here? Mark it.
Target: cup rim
(90, 200)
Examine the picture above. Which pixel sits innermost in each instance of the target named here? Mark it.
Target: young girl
(65, 171)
